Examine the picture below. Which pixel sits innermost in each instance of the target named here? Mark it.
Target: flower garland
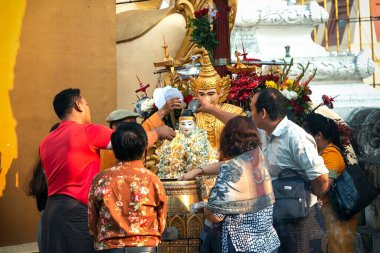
(183, 154)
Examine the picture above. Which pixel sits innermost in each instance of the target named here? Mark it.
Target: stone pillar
(222, 54)
(365, 123)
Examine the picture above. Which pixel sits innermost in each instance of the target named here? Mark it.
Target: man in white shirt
(287, 146)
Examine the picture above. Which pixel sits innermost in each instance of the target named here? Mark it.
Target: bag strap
(346, 162)
(291, 173)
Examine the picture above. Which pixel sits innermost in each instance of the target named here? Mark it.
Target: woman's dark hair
(314, 123)
(65, 100)
(238, 136)
(273, 102)
(129, 141)
(37, 186)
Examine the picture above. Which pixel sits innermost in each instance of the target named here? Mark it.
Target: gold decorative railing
(353, 14)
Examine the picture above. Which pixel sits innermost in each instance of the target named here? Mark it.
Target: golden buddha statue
(210, 86)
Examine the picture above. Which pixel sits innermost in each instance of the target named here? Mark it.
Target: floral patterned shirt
(126, 207)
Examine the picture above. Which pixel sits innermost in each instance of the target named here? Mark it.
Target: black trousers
(65, 227)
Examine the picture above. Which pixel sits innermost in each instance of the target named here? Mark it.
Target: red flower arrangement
(201, 13)
(201, 29)
(244, 85)
(296, 91)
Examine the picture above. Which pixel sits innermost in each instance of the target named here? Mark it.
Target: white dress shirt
(290, 147)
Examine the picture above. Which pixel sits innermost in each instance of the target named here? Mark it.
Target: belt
(131, 250)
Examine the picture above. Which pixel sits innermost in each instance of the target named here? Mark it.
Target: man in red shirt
(70, 158)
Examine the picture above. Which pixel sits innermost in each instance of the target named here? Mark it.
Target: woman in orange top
(340, 233)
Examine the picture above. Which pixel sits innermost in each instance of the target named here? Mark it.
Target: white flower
(147, 105)
(289, 95)
(144, 190)
(284, 92)
(293, 95)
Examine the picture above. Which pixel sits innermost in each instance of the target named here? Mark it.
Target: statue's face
(187, 127)
(210, 95)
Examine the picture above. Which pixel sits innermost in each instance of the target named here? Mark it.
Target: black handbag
(293, 196)
(351, 191)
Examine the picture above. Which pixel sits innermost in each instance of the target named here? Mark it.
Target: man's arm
(152, 122)
(162, 133)
(98, 136)
(207, 107)
(305, 153)
(155, 127)
(156, 120)
(320, 185)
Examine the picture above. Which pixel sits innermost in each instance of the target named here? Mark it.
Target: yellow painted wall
(12, 13)
(45, 47)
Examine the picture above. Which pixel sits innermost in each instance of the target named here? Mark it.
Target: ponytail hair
(335, 135)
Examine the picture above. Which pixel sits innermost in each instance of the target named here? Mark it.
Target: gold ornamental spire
(168, 61)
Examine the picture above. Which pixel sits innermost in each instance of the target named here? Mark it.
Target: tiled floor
(21, 248)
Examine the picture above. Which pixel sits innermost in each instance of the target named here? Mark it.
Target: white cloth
(162, 95)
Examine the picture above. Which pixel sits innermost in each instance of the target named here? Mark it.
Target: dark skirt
(65, 227)
(211, 238)
(307, 235)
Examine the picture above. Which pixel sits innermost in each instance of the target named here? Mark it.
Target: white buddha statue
(188, 150)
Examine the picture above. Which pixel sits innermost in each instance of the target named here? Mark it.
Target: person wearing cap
(154, 127)
(121, 115)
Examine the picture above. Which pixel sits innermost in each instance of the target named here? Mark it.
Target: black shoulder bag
(292, 194)
(351, 191)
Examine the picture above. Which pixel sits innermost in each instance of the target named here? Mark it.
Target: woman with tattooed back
(242, 198)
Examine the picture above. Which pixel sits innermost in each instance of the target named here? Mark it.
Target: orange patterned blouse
(126, 207)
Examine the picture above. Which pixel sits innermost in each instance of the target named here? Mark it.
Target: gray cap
(121, 114)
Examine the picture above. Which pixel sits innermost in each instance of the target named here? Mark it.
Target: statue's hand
(165, 132)
(190, 175)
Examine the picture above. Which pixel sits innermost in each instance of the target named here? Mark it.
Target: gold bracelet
(203, 172)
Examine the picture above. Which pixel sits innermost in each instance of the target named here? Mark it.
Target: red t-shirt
(70, 157)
